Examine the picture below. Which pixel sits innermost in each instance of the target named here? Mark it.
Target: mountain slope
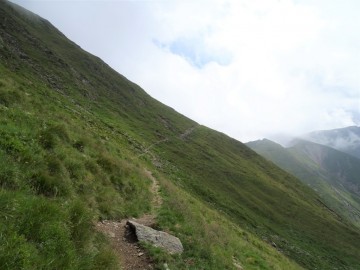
(344, 139)
(75, 140)
(333, 174)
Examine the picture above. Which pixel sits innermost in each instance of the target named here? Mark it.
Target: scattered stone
(273, 244)
(166, 267)
(140, 254)
(159, 239)
(111, 234)
(237, 264)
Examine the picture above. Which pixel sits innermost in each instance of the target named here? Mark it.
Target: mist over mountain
(344, 139)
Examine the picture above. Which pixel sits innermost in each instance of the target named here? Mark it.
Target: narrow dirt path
(156, 162)
(182, 136)
(147, 149)
(186, 133)
(124, 243)
(155, 190)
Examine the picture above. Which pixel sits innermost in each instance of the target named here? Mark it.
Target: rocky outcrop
(160, 239)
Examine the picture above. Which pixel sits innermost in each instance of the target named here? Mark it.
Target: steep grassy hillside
(332, 174)
(75, 139)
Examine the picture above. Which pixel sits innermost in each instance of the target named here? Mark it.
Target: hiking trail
(124, 243)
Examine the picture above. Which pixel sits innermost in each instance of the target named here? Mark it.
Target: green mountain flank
(334, 175)
(77, 141)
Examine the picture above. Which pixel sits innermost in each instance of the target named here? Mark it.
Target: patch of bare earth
(123, 240)
(155, 190)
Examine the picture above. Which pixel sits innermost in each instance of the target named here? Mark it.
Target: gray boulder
(160, 239)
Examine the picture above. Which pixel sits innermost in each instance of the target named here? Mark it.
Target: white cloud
(291, 67)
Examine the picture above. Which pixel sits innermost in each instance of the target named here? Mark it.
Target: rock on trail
(167, 242)
(124, 235)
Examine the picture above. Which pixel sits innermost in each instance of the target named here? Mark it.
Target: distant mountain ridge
(335, 175)
(344, 139)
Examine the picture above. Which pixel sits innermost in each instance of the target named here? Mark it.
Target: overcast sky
(251, 68)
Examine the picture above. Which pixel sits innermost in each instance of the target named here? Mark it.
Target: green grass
(210, 239)
(75, 139)
(57, 178)
(262, 198)
(42, 234)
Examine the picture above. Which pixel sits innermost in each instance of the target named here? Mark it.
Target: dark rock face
(156, 238)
